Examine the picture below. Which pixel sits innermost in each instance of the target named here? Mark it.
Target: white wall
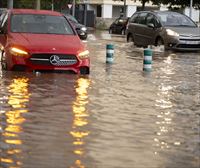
(116, 11)
(163, 8)
(195, 14)
(106, 11)
(130, 10)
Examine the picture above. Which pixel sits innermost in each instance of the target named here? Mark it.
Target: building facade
(106, 11)
(114, 8)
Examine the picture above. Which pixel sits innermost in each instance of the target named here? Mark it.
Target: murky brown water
(117, 117)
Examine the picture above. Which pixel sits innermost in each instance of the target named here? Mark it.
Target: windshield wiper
(186, 25)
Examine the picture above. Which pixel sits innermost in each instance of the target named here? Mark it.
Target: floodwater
(116, 117)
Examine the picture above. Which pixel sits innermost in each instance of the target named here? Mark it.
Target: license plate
(190, 42)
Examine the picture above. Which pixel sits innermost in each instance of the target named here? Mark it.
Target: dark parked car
(118, 26)
(2, 10)
(171, 29)
(80, 28)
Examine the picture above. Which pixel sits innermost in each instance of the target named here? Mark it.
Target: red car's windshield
(41, 24)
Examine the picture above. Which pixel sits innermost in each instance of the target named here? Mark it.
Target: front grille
(53, 59)
(190, 42)
(56, 71)
(189, 36)
(190, 39)
(188, 46)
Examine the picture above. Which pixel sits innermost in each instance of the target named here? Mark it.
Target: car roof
(166, 12)
(158, 12)
(34, 11)
(122, 17)
(68, 15)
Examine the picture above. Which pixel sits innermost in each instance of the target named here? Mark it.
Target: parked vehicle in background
(118, 26)
(2, 10)
(39, 40)
(80, 28)
(171, 29)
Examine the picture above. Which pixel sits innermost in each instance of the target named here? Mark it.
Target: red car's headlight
(84, 54)
(18, 52)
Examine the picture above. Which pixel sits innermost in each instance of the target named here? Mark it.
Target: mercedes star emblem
(54, 60)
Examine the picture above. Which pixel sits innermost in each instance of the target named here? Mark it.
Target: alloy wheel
(159, 42)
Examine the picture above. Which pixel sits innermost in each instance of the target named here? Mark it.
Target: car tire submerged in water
(123, 32)
(84, 38)
(159, 41)
(84, 70)
(110, 31)
(130, 38)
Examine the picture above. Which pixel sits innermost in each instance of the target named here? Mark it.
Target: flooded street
(116, 117)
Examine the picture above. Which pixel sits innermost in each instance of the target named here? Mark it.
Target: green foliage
(3, 4)
(181, 3)
(62, 4)
(31, 4)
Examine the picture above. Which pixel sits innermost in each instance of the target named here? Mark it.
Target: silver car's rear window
(41, 24)
(175, 19)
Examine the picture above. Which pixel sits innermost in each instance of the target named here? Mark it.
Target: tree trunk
(10, 4)
(38, 4)
(143, 4)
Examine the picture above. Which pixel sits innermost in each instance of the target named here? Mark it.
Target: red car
(40, 40)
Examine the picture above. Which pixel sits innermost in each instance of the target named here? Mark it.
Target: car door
(132, 23)
(150, 30)
(139, 28)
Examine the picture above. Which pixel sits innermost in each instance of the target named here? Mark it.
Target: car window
(71, 18)
(1, 17)
(153, 20)
(175, 19)
(121, 21)
(4, 23)
(116, 21)
(150, 19)
(142, 18)
(44, 24)
(133, 19)
(157, 22)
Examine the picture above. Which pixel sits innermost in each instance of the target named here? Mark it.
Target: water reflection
(17, 99)
(79, 131)
(165, 116)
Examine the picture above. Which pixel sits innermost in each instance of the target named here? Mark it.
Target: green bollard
(109, 53)
(147, 59)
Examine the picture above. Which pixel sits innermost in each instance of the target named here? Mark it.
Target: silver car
(171, 29)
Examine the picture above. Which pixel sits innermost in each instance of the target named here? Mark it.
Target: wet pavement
(116, 117)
